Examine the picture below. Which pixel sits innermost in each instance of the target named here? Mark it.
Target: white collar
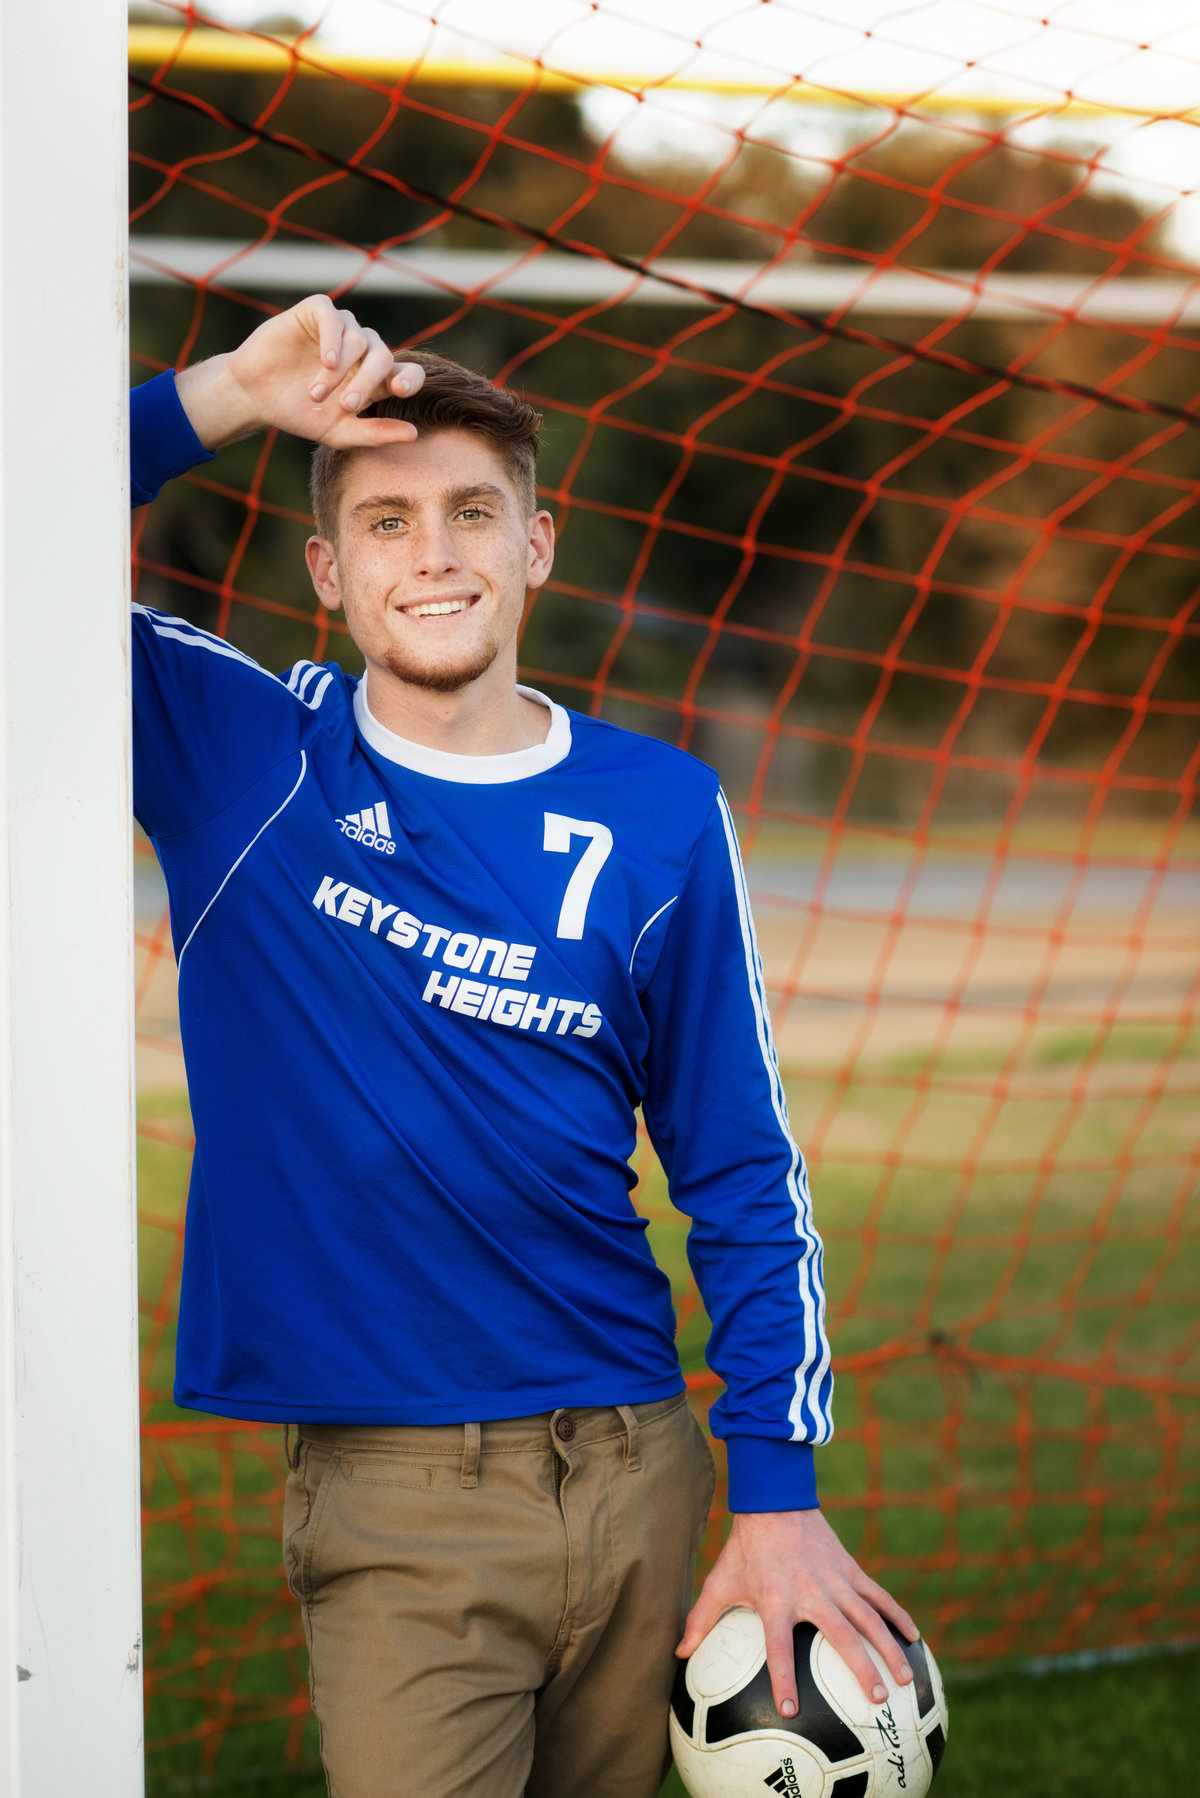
(469, 770)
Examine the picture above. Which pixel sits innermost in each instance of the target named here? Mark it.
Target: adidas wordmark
(370, 827)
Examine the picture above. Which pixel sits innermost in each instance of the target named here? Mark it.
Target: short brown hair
(453, 398)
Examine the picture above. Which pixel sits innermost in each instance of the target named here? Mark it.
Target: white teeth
(437, 608)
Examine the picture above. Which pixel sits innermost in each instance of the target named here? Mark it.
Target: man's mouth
(441, 607)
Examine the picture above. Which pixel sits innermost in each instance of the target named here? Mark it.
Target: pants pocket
(306, 1487)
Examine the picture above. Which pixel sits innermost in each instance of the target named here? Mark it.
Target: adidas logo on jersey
(784, 1781)
(370, 827)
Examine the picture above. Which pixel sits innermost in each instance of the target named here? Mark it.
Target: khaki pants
(492, 1608)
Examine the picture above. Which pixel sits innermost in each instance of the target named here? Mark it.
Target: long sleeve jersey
(423, 997)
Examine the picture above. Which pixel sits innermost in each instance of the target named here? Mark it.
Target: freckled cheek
(375, 578)
(513, 568)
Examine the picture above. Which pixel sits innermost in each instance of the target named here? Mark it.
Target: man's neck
(489, 717)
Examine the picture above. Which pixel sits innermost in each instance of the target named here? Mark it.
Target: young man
(438, 939)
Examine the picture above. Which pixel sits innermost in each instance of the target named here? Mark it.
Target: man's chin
(443, 677)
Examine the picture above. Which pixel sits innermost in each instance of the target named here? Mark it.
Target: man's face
(433, 557)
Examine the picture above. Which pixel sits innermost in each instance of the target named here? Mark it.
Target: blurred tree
(884, 523)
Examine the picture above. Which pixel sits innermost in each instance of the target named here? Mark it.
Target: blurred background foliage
(855, 544)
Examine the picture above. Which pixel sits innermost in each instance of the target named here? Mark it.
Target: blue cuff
(768, 1475)
(162, 442)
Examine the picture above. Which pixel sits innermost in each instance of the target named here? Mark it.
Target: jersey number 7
(559, 831)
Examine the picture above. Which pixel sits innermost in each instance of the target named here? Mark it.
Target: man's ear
(541, 549)
(322, 567)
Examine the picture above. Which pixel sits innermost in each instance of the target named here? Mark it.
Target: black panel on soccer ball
(914, 1654)
(754, 1708)
(682, 1702)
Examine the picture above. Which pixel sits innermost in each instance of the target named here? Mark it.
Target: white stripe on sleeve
(806, 1403)
(180, 631)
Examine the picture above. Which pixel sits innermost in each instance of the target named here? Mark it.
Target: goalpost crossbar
(166, 47)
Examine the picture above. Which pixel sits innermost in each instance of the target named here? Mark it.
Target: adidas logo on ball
(371, 827)
(729, 1741)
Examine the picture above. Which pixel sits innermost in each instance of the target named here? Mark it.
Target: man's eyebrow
(457, 496)
(383, 502)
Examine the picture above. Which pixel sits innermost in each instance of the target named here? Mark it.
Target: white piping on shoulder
(299, 679)
(180, 631)
(816, 1359)
(245, 852)
(645, 927)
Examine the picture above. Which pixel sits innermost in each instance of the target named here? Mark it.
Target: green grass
(1022, 1511)
(1067, 1735)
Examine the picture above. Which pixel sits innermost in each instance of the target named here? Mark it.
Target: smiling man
(431, 547)
(439, 940)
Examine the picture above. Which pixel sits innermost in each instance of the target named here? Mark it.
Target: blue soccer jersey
(422, 998)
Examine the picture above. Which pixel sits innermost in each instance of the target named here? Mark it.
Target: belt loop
(633, 1459)
(293, 1460)
(470, 1460)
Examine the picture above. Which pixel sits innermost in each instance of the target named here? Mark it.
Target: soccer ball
(729, 1741)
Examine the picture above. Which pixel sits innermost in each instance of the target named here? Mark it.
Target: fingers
(368, 433)
(867, 1622)
(841, 1634)
(329, 329)
(886, 1605)
(310, 370)
(371, 376)
(349, 344)
(354, 357)
(790, 1567)
(845, 1628)
(701, 1618)
(361, 369)
(781, 1661)
(406, 378)
(378, 375)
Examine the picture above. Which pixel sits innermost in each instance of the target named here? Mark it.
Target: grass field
(1017, 1512)
(1068, 1735)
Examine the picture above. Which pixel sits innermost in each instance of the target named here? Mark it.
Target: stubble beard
(450, 678)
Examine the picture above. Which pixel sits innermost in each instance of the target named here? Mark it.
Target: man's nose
(437, 552)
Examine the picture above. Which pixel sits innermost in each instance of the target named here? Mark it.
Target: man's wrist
(218, 408)
(768, 1475)
(162, 443)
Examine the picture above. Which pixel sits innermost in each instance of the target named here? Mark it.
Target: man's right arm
(310, 371)
(162, 441)
(208, 722)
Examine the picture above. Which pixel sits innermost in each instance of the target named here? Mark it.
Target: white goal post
(70, 1606)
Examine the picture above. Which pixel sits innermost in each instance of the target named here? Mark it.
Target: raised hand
(790, 1567)
(309, 371)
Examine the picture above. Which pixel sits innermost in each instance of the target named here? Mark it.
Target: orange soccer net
(872, 428)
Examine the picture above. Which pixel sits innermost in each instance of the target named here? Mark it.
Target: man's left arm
(716, 1111)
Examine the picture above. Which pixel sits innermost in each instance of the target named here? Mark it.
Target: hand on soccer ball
(310, 371)
(790, 1567)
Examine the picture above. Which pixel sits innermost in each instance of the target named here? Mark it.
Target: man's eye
(389, 525)
(472, 512)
